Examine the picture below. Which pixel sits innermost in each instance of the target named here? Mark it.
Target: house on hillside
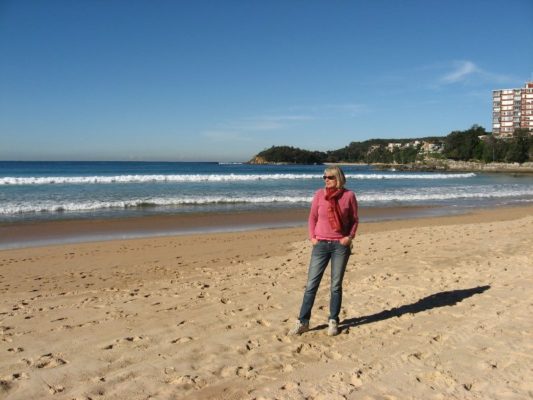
(392, 146)
(430, 147)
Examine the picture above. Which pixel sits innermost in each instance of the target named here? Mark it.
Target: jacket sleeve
(313, 216)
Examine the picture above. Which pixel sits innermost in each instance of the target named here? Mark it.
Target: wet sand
(46, 232)
(434, 308)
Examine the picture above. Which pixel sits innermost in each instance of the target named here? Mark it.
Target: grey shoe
(333, 328)
(299, 328)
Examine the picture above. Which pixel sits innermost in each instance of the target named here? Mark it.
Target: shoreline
(437, 165)
(451, 166)
(31, 234)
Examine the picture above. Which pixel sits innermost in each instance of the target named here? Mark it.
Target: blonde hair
(337, 173)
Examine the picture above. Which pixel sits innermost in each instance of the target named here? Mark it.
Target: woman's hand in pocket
(346, 241)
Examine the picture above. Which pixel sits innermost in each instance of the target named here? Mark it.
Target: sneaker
(299, 328)
(333, 328)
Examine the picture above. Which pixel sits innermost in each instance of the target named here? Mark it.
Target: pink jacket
(319, 227)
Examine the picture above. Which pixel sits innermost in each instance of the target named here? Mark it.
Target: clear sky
(222, 80)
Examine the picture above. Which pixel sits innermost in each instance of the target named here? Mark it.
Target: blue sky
(223, 80)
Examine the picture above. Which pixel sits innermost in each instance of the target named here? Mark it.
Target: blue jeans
(324, 251)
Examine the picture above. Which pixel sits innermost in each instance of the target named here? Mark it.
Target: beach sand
(434, 308)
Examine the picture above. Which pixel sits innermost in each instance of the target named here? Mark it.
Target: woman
(333, 222)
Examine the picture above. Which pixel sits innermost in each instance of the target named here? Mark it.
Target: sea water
(59, 190)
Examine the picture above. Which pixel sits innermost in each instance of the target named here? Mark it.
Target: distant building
(392, 146)
(373, 148)
(429, 147)
(512, 109)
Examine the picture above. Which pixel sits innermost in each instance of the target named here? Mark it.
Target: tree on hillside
(493, 150)
(465, 145)
(406, 155)
(518, 150)
(287, 154)
(354, 152)
(379, 155)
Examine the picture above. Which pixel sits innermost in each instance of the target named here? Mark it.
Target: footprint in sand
(338, 386)
(290, 386)
(49, 360)
(184, 381)
(182, 340)
(282, 339)
(352, 379)
(304, 348)
(246, 371)
(248, 346)
(331, 355)
(254, 322)
(436, 379)
(5, 331)
(252, 344)
(132, 339)
(55, 389)
(415, 358)
(126, 340)
(7, 382)
(15, 350)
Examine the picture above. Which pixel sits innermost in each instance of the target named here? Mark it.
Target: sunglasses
(330, 177)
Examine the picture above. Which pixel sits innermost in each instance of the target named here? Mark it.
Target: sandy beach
(434, 308)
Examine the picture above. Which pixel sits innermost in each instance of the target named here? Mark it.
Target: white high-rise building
(512, 109)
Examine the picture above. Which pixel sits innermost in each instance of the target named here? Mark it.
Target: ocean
(32, 191)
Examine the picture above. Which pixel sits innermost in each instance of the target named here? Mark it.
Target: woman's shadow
(441, 299)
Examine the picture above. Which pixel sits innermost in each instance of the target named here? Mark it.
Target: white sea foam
(102, 179)
(414, 197)
(49, 206)
(368, 198)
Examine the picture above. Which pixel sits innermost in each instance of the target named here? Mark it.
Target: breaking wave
(370, 198)
(103, 179)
